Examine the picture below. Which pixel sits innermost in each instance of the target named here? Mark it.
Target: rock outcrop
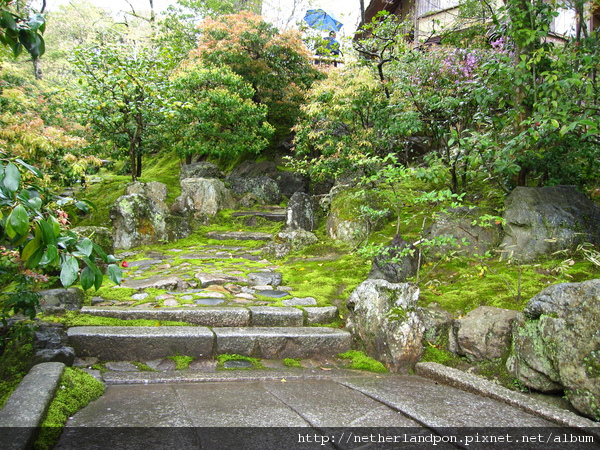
(556, 344)
(383, 318)
(483, 334)
(542, 221)
(301, 212)
(202, 197)
(458, 230)
(396, 262)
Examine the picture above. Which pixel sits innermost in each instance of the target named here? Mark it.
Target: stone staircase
(243, 323)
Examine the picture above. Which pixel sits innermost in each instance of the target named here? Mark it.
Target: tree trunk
(37, 68)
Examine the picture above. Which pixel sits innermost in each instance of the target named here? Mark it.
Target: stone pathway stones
(204, 275)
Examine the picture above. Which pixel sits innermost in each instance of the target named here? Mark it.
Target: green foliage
(36, 230)
(18, 33)
(214, 115)
(346, 119)
(360, 361)
(124, 98)
(276, 64)
(15, 361)
(76, 389)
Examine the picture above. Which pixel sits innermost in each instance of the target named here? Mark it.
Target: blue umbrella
(322, 20)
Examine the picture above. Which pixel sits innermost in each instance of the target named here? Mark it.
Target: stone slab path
(284, 410)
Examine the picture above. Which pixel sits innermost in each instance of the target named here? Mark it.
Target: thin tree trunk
(37, 68)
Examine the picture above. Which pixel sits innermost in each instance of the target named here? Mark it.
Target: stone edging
(477, 385)
(24, 411)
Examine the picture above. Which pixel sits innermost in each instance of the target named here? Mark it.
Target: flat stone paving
(281, 413)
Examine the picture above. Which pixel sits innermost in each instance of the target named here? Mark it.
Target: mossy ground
(360, 361)
(76, 389)
(76, 319)
(14, 364)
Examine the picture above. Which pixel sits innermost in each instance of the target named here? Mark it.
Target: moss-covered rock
(556, 344)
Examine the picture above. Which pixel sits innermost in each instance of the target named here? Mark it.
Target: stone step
(239, 236)
(147, 343)
(273, 216)
(224, 316)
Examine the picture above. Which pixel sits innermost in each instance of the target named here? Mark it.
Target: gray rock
(138, 220)
(249, 200)
(65, 355)
(301, 212)
(154, 190)
(385, 268)
(307, 301)
(324, 314)
(203, 197)
(290, 183)
(101, 236)
(262, 187)
(541, 221)
(57, 300)
(288, 241)
(121, 366)
(262, 278)
(556, 344)
(202, 169)
(140, 343)
(252, 169)
(483, 334)
(156, 282)
(383, 318)
(219, 279)
(272, 316)
(437, 322)
(162, 365)
(454, 226)
(239, 235)
(278, 343)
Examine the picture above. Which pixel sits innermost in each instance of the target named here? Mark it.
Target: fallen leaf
(325, 368)
(283, 380)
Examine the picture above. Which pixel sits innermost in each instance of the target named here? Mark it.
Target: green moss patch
(181, 362)
(76, 319)
(462, 284)
(222, 359)
(291, 362)
(14, 365)
(360, 361)
(76, 389)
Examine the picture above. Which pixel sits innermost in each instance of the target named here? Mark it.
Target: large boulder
(154, 190)
(542, 221)
(264, 188)
(437, 323)
(301, 212)
(383, 317)
(138, 220)
(289, 183)
(396, 262)
(201, 169)
(287, 241)
(482, 335)
(348, 221)
(556, 344)
(60, 300)
(252, 169)
(203, 197)
(457, 226)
